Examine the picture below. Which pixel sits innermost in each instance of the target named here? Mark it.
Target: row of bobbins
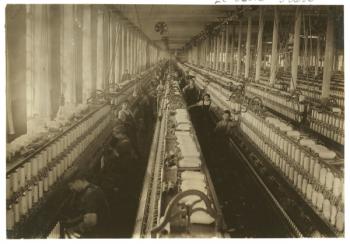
(27, 185)
(329, 124)
(278, 103)
(316, 182)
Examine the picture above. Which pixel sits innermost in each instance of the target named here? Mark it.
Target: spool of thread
(15, 181)
(76, 153)
(283, 166)
(291, 173)
(44, 157)
(24, 204)
(60, 168)
(41, 189)
(306, 162)
(329, 180)
(49, 153)
(22, 176)
(35, 193)
(337, 186)
(293, 151)
(290, 149)
(28, 167)
(71, 137)
(50, 179)
(30, 198)
(65, 163)
(68, 139)
(8, 187)
(65, 142)
(304, 186)
(40, 162)
(300, 181)
(297, 155)
(10, 218)
(302, 155)
(60, 146)
(55, 169)
(309, 192)
(54, 150)
(334, 212)
(46, 183)
(317, 169)
(286, 172)
(17, 212)
(286, 145)
(281, 142)
(70, 158)
(323, 173)
(327, 209)
(312, 165)
(35, 166)
(320, 199)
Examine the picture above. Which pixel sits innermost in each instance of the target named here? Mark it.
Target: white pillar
(296, 48)
(259, 45)
(248, 43)
(329, 55)
(274, 56)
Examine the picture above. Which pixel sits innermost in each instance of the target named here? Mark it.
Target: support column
(248, 43)
(110, 50)
(226, 48)
(329, 55)
(117, 53)
(274, 56)
(296, 48)
(238, 70)
(214, 52)
(54, 22)
(221, 64)
(217, 55)
(138, 61)
(213, 56)
(205, 52)
(127, 48)
(16, 119)
(286, 63)
(106, 45)
(86, 52)
(259, 45)
(100, 48)
(29, 79)
(305, 58)
(232, 50)
(122, 49)
(132, 52)
(41, 62)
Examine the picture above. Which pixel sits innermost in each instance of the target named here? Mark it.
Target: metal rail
(290, 222)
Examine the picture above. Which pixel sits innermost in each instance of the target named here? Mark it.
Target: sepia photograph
(129, 121)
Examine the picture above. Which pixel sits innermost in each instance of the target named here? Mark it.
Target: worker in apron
(92, 211)
(200, 114)
(191, 93)
(126, 117)
(222, 133)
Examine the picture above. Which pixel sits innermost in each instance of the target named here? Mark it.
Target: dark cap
(227, 112)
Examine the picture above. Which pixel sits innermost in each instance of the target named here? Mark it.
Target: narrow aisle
(246, 210)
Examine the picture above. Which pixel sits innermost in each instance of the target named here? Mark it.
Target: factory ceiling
(181, 23)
